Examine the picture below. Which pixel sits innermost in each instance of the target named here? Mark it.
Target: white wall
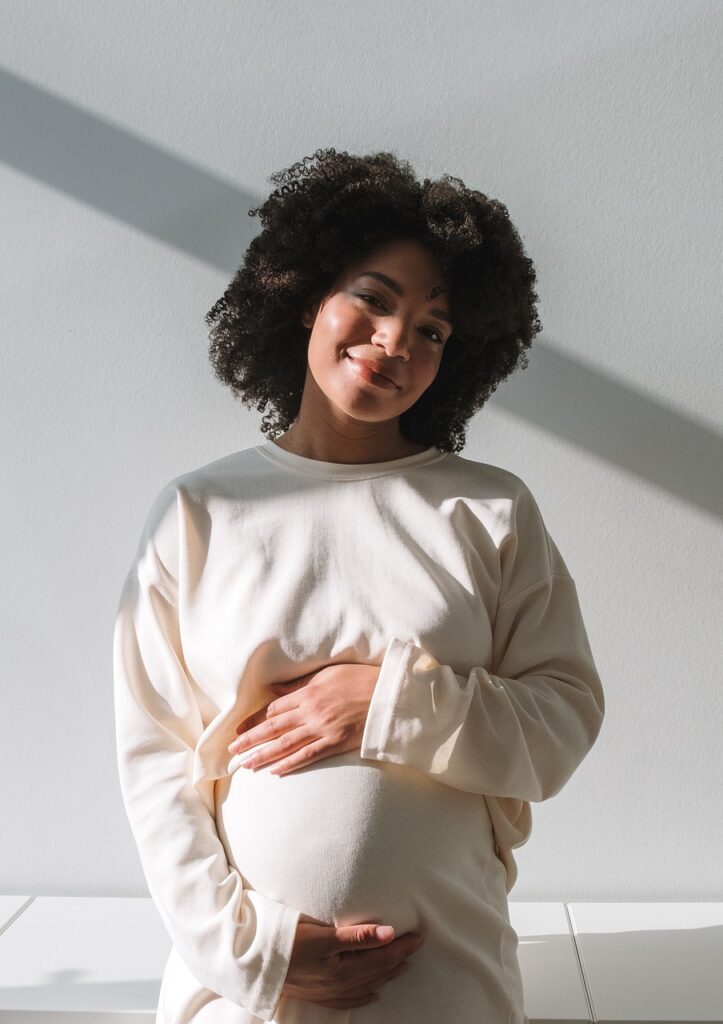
(135, 138)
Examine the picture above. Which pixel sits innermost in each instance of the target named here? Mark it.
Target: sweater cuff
(394, 664)
(272, 975)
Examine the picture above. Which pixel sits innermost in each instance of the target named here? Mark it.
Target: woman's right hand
(341, 966)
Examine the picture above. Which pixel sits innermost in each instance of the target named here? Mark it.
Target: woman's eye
(373, 298)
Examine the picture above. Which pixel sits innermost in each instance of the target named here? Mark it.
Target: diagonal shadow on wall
(110, 169)
(187, 207)
(608, 418)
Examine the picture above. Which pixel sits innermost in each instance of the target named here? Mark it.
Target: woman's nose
(394, 339)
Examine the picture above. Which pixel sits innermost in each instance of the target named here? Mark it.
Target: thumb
(351, 937)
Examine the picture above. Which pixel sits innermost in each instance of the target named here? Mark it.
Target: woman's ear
(310, 313)
(312, 307)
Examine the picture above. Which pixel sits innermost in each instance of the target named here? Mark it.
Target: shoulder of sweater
(498, 480)
(528, 552)
(176, 502)
(200, 481)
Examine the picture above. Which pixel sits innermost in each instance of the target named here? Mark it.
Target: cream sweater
(264, 565)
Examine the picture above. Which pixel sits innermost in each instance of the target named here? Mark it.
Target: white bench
(98, 960)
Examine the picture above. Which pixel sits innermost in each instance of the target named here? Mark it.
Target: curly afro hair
(334, 208)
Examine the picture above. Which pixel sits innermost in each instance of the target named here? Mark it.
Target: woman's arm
(520, 728)
(518, 732)
(235, 941)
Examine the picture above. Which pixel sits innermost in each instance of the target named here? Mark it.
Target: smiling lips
(367, 370)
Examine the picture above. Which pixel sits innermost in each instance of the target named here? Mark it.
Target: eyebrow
(397, 288)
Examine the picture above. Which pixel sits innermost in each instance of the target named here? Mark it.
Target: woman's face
(399, 325)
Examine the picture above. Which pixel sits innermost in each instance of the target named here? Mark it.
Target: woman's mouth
(364, 371)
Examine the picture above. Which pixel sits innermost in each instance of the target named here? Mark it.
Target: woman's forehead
(398, 275)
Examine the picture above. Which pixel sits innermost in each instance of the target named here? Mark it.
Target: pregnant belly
(347, 840)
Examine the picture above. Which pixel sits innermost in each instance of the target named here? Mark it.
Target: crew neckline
(346, 470)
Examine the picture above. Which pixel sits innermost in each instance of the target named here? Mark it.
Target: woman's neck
(340, 449)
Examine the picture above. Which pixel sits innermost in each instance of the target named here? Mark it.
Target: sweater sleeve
(519, 727)
(235, 941)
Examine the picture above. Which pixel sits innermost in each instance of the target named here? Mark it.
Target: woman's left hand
(319, 714)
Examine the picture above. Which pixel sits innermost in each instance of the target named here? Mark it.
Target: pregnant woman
(347, 659)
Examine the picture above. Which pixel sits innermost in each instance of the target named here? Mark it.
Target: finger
(249, 721)
(353, 938)
(289, 742)
(307, 755)
(261, 733)
(270, 710)
(363, 991)
(374, 981)
(258, 716)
